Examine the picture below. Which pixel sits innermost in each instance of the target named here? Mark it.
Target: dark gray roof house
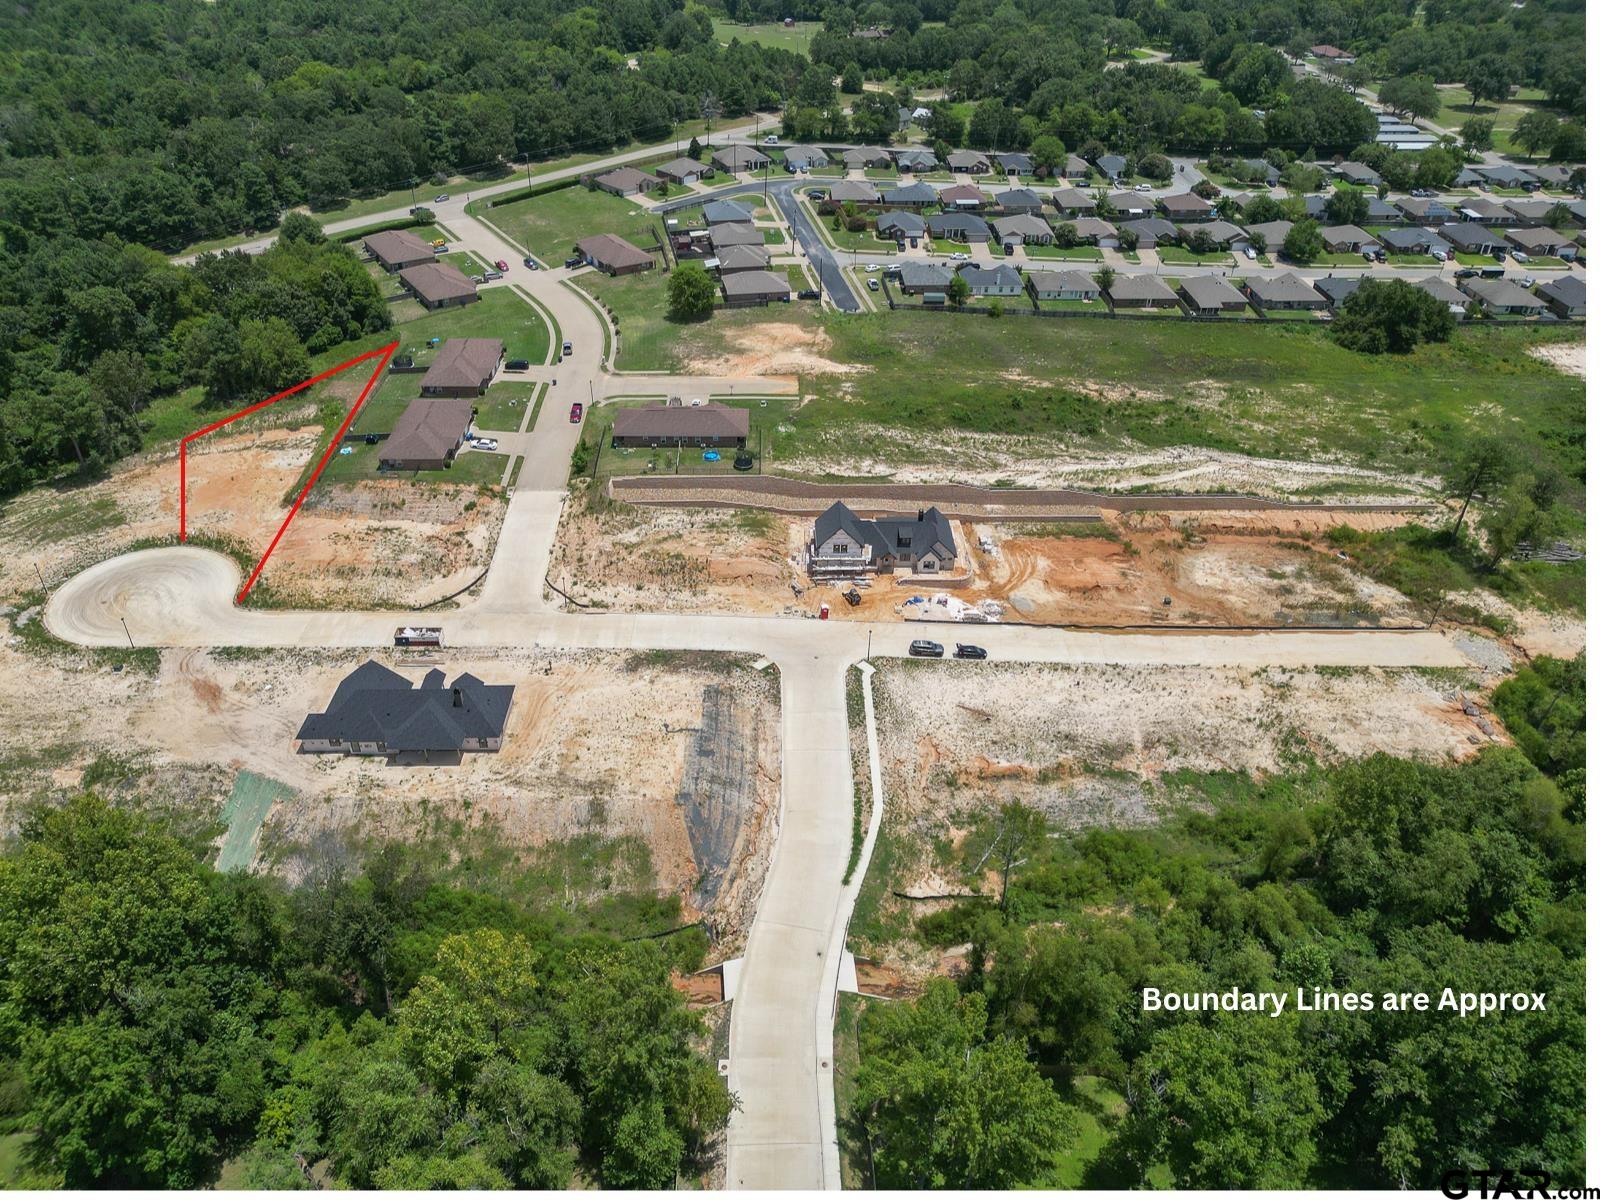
(1001, 280)
(1223, 233)
(1485, 212)
(740, 158)
(1064, 285)
(912, 195)
(843, 543)
(1102, 233)
(1131, 204)
(919, 278)
(626, 181)
(1142, 291)
(1440, 290)
(1545, 242)
(1152, 231)
(1020, 200)
(376, 711)
(1113, 166)
(395, 249)
(855, 191)
(723, 212)
(1565, 295)
(1186, 206)
(1381, 212)
(1337, 288)
(731, 259)
(1505, 175)
(1359, 173)
(1501, 296)
(1025, 227)
(1287, 290)
(735, 233)
(1014, 162)
(916, 159)
(1409, 239)
(1348, 239)
(1076, 168)
(959, 227)
(1425, 210)
(1472, 238)
(681, 170)
(754, 287)
(860, 158)
(968, 162)
(1072, 200)
(806, 156)
(901, 225)
(1211, 294)
(609, 253)
(1272, 232)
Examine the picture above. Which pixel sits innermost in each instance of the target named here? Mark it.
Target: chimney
(455, 697)
(921, 512)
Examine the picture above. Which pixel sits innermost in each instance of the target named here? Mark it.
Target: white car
(1143, 187)
(483, 443)
(870, 268)
(961, 258)
(441, 197)
(770, 140)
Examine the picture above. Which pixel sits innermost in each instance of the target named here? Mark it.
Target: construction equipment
(852, 597)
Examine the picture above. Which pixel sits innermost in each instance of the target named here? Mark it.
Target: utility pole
(124, 621)
(42, 585)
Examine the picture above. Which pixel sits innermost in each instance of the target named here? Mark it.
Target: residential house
(1094, 230)
(626, 181)
(1129, 206)
(376, 711)
(1381, 212)
(681, 170)
(967, 162)
(679, 424)
(862, 157)
(1014, 162)
(1440, 290)
(1186, 206)
(921, 278)
(427, 436)
(1531, 212)
(438, 285)
(1023, 229)
(1554, 176)
(1348, 239)
(1142, 291)
(963, 195)
(732, 259)
(1506, 176)
(1019, 200)
(916, 160)
(1357, 173)
(902, 226)
(959, 227)
(912, 195)
(1072, 201)
(1001, 280)
(1285, 291)
(609, 253)
(734, 233)
(754, 287)
(1411, 239)
(805, 157)
(1222, 233)
(1485, 212)
(1473, 239)
(1501, 297)
(727, 212)
(855, 191)
(734, 159)
(1564, 295)
(1425, 210)
(1076, 169)
(1332, 54)
(463, 367)
(1316, 206)
(1211, 295)
(1112, 166)
(1541, 242)
(1152, 231)
(1272, 232)
(1467, 177)
(1063, 285)
(1260, 168)
(396, 249)
(1337, 288)
(844, 544)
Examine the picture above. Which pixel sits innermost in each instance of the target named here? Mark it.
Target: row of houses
(432, 428)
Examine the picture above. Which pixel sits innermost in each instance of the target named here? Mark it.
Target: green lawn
(1095, 1107)
(1417, 260)
(550, 224)
(1071, 254)
(881, 173)
(1083, 306)
(1455, 106)
(1464, 260)
(502, 407)
(766, 414)
(796, 38)
(1178, 255)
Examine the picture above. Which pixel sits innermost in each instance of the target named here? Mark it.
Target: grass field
(1180, 255)
(1088, 254)
(549, 225)
(766, 414)
(1455, 106)
(502, 407)
(795, 38)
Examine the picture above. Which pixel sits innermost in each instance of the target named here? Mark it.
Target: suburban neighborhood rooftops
(735, 233)
(1346, 234)
(1440, 290)
(962, 193)
(1070, 198)
(719, 212)
(464, 363)
(1467, 233)
(855, 190)
(1566, 290)
(739, 158)
(376, 705)
(1272, 232)
(1152, 227)
(1502, 293)
(810, 156)
(742, 258)
(1127, 289)
(918, 160)
(889, 536)
(1337, 288)
(1221, 232)
(427, 431)
(627, 179)
(1064, 281)
(967, 160)
(1092, 227)
(1209, 291)
(923, 275)
(398, 246)
(612, 252)
(708, 420)
(436, 282)
(1478, 209)
(1186, 204)
(1002, 275)
(1358, 172)
(1287, 288)
(681, 166)
(918, 193)
(1014, 161)
(909, 224)
(970, 225)
(1538, 239)
(1019, 198)
(755, 283)
(1023, 225)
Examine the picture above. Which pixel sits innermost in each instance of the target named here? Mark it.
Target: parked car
(517, 364)
(483, 443)
(816, 194)
(965, 651)
(500, 264)
(1467, 273)
(492, 275)
(872, 285)
(438, 243)
(1422, 193)
(925, 649)
(810, 294)
(441, 197)
(1518, 256)
(770, 140)
(575, 261)
(1250, 253)
(575, 414)
(961, 258)
(531, 263)
(566, 348)
(1142, 187)
(477, 279)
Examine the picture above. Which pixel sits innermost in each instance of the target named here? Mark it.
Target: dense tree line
(93, 330)
(372, 1028)
(1378, 876)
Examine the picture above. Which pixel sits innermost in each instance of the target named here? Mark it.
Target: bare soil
(1568, 357)
(771, 348)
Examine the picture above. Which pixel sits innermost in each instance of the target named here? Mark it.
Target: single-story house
(609, 253)
(844, 544)
(1093, 229)
(1467, 177)
(463, 367)
(1440, 290)
(1506, 176)
(681, 170)
(1112, 166)
(1532, 212)
(855, 191)
(1223, 233)
(1142, 291)
(1472, 239)
(1316, 206)
(959, 227)
(438, 285)
(963, 195)
(1348, 239)
(1546, 242)
(862, 157)
(725, 212)
(920, 278)
(1024, 228)
(678, 424)
(1211, 294)
(376, 711)
(1485, 212)
(754, 287)
(427, 435)
(1381, 212)
(1337, 288)
(916, 160)
(1502, 297)
(1554, 175)
(1332, 54)
(1063, 285)
(967, 162)
(1564, 294)
(733, 159)
(1077, 169)
(1014, 162)
(735, 233)
(626, 181)
(732, 259)
(1072, 201)
(1272, 232)
(1425, 210)
(912, 195)
(1129, 205)
(1152, 231)
(1358, 173)
(396, 249)
(902, 226)
(1001, 280)
(805, 156)
(1186, 206)
(1410, 239)
(1285, 291)
(1260, 168)
(1019, 200)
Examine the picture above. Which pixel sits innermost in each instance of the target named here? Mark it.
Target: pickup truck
(419, 635)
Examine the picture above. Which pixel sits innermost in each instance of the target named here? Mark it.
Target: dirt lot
(1097, 745)
(598, 744)
(771, 348)
(1222, 569)
(381, 543)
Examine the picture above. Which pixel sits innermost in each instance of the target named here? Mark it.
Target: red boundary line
(383, 354)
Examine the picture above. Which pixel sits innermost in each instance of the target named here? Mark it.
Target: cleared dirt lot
(1103, 745)
(379, 543)
(606, 745)
(1137, 568)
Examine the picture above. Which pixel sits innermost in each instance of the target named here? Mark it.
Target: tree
(1536, 130)
(1157, 167)
(1018, 831)
(1513, 518)
(1347, 207)
(691, 292)
(850, 80)
(1487, 77)
(1412, 95)
(959, 289)
(1303, 242)
(695, 150)
(1477, 133)
(1569, 144)
(876, 116)
(1104, 277)
(1048, 154)
(1390, 318)
(944, 1106)
(1475, 471)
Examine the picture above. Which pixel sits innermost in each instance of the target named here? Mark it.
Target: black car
(810, 294)
(926, 649)
(965, 651)
(517, 364)
(574, 261)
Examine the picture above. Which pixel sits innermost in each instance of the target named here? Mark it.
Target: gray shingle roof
(375, 704)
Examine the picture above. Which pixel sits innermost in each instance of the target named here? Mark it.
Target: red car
(500, 265)
(576, 414)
